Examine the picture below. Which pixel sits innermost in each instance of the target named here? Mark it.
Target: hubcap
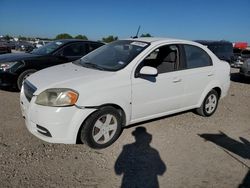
(104, 129)
(211, 103)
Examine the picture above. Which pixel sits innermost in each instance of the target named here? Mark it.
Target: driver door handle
(176, 80)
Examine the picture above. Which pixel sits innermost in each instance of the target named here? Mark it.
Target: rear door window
(196, 57)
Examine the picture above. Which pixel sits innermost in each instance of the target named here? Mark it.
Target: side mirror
(148, 71)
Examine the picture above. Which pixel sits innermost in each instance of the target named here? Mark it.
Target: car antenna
(138, 30)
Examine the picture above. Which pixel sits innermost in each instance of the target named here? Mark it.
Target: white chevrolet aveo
(127, 81)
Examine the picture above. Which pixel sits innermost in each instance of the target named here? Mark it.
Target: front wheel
(209, 104)
(102, 128)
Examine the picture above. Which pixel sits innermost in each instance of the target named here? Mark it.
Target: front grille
(29, 90)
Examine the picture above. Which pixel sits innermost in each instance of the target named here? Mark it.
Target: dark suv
(14, 68)
(222, 49)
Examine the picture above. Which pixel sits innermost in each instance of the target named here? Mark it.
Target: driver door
(155, 96)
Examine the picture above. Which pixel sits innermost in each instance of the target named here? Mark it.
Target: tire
(23, 76)
(102, 128)
(209, 104)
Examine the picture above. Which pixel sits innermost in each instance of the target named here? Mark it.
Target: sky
(184, 19)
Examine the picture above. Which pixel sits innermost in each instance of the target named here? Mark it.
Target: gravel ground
(186, 150)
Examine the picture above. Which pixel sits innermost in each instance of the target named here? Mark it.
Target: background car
(24, 46)
(41, 43)
(119, 84)
(245, 54)
(4, 48)
(245, 68)
(222, 49)
(11, 44)
(240, 56)
(14, 68)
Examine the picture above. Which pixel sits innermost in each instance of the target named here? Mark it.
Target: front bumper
(7, 79)
(62, 123)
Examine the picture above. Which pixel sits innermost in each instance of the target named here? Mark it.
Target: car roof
(75, 40)
(152, 39)
(160, 40)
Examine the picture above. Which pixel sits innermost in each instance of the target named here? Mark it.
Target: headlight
(57, 97)
(7, 65)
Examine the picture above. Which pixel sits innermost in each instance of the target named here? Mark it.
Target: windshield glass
(48, 48)
(113, 56)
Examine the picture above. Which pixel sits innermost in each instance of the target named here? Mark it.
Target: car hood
(16, 57)
(67, 75)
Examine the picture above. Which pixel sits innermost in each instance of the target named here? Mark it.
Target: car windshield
(113, 56)
(48, 48)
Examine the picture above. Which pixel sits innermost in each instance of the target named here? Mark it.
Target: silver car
(245, 68)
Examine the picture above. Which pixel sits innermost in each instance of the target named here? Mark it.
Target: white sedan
(122, 83)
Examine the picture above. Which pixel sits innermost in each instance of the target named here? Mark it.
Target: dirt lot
(186, 150)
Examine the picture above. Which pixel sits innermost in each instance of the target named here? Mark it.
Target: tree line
(107, 39)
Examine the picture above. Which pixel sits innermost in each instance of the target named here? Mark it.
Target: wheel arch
(218, 90)
(117, 107)
(214, 86)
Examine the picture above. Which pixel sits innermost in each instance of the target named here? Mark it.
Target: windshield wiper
(92, 65)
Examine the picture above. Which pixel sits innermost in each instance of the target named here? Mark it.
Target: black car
(14, 68)
(222, 49)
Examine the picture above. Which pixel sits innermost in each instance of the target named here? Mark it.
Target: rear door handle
(175, 80)
(210, 74)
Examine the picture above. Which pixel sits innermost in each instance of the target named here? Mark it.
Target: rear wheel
(209, 104)
(23, 76)
(102, 128)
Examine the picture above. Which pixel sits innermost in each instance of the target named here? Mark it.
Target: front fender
(116, 96)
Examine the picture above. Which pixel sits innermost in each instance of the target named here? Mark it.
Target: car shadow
(241, 149)
(236, 77)
(246, 181)
(139, 163)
